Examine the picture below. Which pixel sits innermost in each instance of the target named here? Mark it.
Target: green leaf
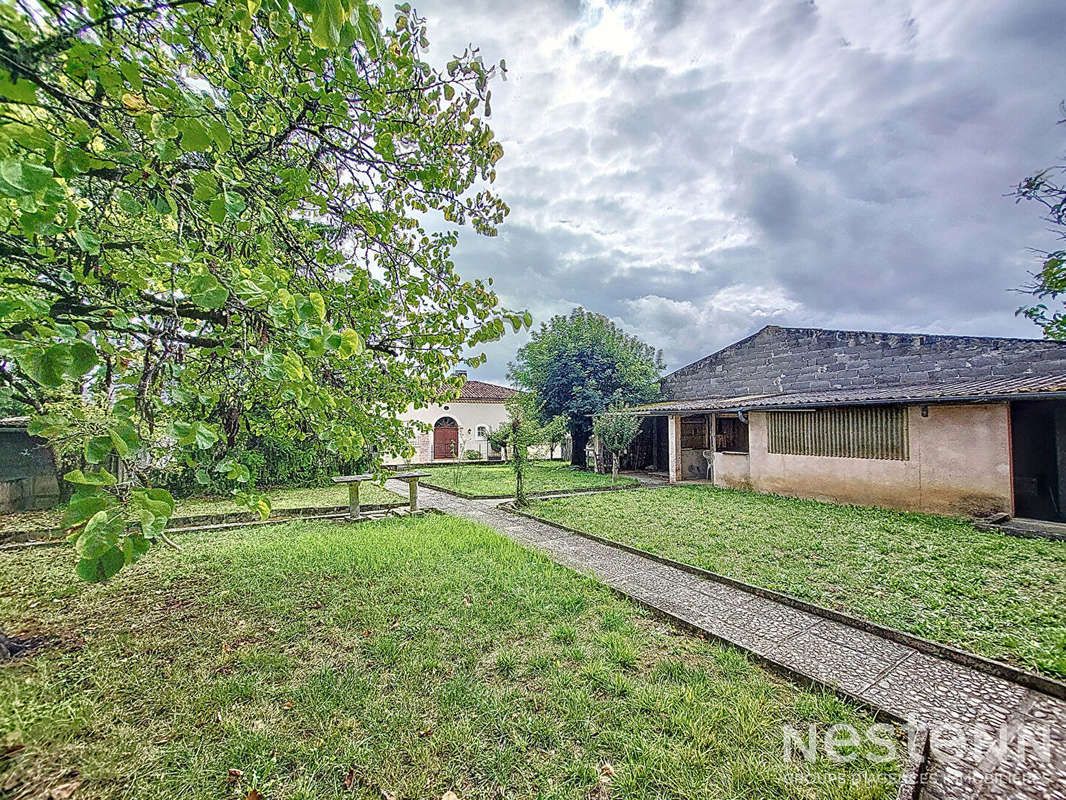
(217, 210)
(351, 343)
(202, 477)
(87, 240)
(318, 304)
(194, 136)
(82, 358)
(220, 133)
(86, 502)
(206, 292)
(124, 437)
(97, 449)
(25, 176)
(128, 203)
(99, 477)
(326, 22)
(134, 546)
(100, 535)
(49, 367)
(103, 568)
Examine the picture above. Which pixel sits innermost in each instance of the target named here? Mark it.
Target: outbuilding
(948, 424)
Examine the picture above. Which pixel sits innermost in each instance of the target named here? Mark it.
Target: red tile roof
(481, 392)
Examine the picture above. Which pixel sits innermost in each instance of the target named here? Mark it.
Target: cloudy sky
(696, 170)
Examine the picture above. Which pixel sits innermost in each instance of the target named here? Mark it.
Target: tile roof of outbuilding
(1036, 387)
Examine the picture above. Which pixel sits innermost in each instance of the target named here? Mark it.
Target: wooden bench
(412, 485)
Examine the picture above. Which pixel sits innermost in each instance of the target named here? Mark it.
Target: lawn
(280, 499)
(498, 480)
(936, 577)
(399, 659)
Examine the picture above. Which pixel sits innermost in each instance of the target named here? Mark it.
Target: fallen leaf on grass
(235, 774)
(254, 794)
(449, 795)
(467, 601)
(286, 706)
(349, 779)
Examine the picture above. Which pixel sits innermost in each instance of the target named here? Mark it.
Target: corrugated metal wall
(851, 432)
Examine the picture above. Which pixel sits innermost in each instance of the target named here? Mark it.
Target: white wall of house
(475, 419)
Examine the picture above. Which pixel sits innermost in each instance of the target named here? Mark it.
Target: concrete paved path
(966, 711)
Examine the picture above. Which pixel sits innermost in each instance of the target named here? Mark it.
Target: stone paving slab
(959, 705)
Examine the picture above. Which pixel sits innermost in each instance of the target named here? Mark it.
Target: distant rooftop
(481, 392)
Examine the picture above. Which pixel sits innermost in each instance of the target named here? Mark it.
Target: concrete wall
(28, 479)
(776, 360)
(959, 464)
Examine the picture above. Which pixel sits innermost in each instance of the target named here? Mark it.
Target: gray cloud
(695, 170)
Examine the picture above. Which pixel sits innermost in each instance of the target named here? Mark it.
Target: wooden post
(412, 493)
(353, 500)
(673, 433)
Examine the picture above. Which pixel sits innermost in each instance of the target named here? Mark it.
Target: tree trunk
(614, 468)
(519, 486)
(577, 453)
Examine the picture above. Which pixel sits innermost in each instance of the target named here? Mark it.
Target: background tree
(616, 431)
(210, 223)
(524, 431)
(578, 365)
(1048, 188)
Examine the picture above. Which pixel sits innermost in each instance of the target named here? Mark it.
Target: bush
(472, 455)
(273, 461)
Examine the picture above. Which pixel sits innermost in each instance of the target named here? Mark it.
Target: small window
(730, 435)
(878, 432)
(482, 432)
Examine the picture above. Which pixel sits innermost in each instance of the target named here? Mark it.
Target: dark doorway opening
(445, 438)
(1038, 458)
(650, 451)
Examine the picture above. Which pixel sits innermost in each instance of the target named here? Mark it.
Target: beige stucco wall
(959, 464)
(468, 415)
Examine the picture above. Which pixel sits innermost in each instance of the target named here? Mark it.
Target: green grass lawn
(936, 577)
(399, 659)
(280, 499)
(498, 479)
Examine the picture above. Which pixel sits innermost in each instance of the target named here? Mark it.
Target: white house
(459, 425)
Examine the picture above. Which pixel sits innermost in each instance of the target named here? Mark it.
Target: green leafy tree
(616, 432)
(580, 364)
(1048, 189)
(523, 432)
(210, 222)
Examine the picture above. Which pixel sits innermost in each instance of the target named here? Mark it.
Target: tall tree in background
(1048, 188)
(210, 225)
(580, 364)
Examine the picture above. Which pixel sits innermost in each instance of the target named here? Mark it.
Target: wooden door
(446, 439)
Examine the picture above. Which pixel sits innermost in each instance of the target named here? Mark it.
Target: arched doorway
(445, 438)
